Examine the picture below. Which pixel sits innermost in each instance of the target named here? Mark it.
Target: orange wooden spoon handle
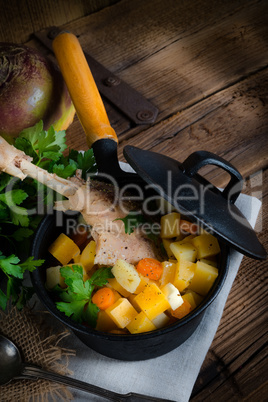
(82, 87)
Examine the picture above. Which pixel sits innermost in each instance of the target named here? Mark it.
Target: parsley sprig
(18, 198)
(76, 298)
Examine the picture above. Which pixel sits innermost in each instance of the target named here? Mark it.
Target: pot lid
(193, 196)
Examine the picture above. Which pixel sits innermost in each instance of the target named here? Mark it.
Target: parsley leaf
(85, 161)
(76, 298)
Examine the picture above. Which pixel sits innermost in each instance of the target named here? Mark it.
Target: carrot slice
(182, 311)
(103, 298)
(151, 268)
(188, 227)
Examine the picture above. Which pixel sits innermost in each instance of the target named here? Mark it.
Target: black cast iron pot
(123, 347)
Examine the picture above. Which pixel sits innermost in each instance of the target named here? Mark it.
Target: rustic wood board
(231, 123)
(179, 71)
(20, 18)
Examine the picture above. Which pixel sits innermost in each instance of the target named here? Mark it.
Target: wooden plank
(19, 19)
(232, 123)
(239, 349)
(181, 67)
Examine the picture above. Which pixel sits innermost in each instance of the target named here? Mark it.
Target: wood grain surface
(204, 64)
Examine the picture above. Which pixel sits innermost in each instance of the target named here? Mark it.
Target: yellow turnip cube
(140, 323)
(121, 312)
(131, 299)
(203, 278)
(143, 282)
(64, 249)
(173, 295)
(161, 320)
(207, 246)
(183, 274)
(167, 276)
(126, 275)
(184, 251)
(152, 301)
(54, 278)
(170, 225)
(86, 258)
(104, 322)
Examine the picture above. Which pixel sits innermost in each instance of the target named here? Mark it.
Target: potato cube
(167, 276)
(54, 278)
(188, 239)
(183, 274)
(173, 295)
(64, 249)
(166, 244)
(161, 320)
(204, 278)
(197, 298)
(207, 245)
(170, 225)
(126, 275)
(112, 282)
(104, 322)
(121, 312)
(86, 258)
(152, 301)
(184, 251)
(140, 323)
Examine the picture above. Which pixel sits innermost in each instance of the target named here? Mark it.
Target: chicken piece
(98, 203)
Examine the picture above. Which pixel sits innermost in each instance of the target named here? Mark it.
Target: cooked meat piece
(112, 246)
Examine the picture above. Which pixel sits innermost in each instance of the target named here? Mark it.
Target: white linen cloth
(173, 375)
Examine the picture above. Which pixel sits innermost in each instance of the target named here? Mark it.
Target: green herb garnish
(19, 202)
(77, 296)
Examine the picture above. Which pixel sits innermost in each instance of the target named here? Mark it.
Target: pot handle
(198, 159)
(82, 88)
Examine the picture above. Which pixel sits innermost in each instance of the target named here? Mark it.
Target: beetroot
(31, 89)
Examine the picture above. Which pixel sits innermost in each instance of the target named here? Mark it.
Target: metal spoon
(13, 368)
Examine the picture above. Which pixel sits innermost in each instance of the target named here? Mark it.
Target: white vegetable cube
(161, 320)
(126, 275)
(173, 296)
(184, 251)
(54, 278)
(121, 312)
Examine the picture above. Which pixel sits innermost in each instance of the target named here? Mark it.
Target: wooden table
(204, 64)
